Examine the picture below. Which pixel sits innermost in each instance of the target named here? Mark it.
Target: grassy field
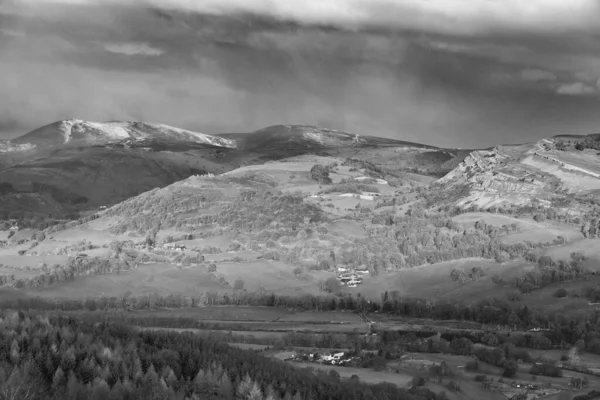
(433, 281)
(345, 317)
(249, 346)
(364, 374)
(74, 235)
(163, 279)
(225, 313)
(166, 279)
(569, 306)
(7, 257)
(265, 318)
(220, 241)
(222, 335)
(272, 275)
(589, 247)
(245, 254)
(529, 230)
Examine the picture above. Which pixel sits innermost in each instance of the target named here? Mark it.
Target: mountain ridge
(80, 132)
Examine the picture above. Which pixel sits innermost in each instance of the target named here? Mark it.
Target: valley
(321, 241)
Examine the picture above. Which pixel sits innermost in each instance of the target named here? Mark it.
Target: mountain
(75, 132)
(547, 171)
(74, 165)
(306, 137)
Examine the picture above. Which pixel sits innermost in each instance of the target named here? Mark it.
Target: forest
(62, 358)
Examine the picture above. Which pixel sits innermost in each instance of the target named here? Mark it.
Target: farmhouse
(174, 246)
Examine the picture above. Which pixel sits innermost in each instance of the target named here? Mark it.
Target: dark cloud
(222, 66)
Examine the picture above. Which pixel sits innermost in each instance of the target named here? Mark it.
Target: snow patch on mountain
(80, 131)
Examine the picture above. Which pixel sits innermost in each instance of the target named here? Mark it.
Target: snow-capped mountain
(79, 132)
(304, 138)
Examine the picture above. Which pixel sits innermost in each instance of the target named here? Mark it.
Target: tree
(320, 173)
(212, 267)
(59, 379)
(330, 285)
(244, 388)
(560, 293)
(333, 374)
(238, 284)
(510, 369)
(255, 393)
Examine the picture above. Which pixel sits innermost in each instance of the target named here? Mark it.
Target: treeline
(559, 331)
(548, 272)
(79, 266)
(207, 298)
(62, 358)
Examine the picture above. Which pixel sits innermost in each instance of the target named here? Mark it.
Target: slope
(76, 164)
(545, 172)
(81, 165)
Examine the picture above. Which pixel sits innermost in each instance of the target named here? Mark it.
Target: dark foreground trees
(62, 358)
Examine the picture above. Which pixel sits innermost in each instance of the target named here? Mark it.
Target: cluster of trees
(81, 245)
(62, 358)
(250, 211)
(549, 271)
(458, 275)
(370, 169)
(591, 228)
(546, 369)
(320, 173)
(350, 186)
(410, 241)
(590, 142)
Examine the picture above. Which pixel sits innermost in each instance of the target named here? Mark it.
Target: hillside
(550, 171)
(71, 166)
(86, 133)
(302, 138)
(76, 164)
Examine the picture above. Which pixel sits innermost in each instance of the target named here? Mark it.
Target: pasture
(528, 229)
(77, 234)
(272, 275)
(569, 306)
(165, 279)
(324, 317)
(162, 279)
(221, 313)
(366, 375)
(245, 254)
(8, 257)
(588, 247)
(434, 282)
(221, 241)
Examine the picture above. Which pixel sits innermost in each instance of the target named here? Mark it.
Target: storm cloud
(444, 72)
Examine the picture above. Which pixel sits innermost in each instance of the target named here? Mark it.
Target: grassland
(365, 375)
(230, 313)
(434, 282)
(528, 229)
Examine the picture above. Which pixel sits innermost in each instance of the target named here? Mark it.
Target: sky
(451, 73)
